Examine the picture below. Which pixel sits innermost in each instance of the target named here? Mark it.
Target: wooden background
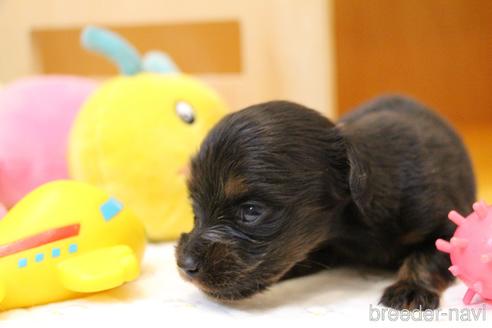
(197, 48)
(248, 50)
(439, 51)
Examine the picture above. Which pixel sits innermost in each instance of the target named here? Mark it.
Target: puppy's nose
(190, 266)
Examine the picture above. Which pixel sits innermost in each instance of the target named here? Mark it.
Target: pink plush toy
(471, 251)
(36, 115)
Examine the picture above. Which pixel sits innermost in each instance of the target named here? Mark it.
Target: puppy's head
(263, 186)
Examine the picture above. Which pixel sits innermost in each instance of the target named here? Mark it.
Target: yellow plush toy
(64, 239)
(135, 135)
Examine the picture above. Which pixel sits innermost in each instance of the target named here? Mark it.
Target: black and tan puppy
(279, 191)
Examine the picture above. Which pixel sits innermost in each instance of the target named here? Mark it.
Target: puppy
(279, 191)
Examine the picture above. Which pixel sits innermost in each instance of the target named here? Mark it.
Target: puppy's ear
(373, 188)
(358, 179)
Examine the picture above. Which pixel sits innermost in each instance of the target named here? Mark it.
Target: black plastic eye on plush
(185, 112)
(250, 213)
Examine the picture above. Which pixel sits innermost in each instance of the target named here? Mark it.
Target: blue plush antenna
(114, 47)
(159, 62)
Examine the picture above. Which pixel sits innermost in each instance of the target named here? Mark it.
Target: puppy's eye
(250, 213)
(185, 112)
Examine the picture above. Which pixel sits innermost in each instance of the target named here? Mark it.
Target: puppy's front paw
(407, 295)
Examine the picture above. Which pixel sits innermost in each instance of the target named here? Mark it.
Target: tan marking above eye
(235, 186)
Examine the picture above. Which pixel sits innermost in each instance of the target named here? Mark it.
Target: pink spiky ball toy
(470, 250)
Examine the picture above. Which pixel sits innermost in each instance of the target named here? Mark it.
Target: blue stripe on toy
(110, 209)
(22, 263)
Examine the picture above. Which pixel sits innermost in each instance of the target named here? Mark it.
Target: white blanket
(159, 298)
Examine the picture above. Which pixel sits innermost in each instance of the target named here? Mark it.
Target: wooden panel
(210, 47)
(478, 138)
(439, 51)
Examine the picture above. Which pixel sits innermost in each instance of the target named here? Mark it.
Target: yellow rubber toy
(64, 239)
(135, 135)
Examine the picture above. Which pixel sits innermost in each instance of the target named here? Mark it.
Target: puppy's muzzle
(189, 266)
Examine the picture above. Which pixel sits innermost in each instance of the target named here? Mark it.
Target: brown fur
(279, 191)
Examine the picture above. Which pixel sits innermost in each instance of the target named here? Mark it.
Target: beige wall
(286, 44)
